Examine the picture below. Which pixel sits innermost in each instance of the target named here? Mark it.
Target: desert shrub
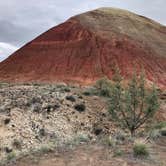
(87, 93)
(118, 153)
(103, 87)
(3, 84)
(11, 156)
(36, 84)
(82, 138)
(36, 107)
(80, 107)
(7, 121)
(140, 150)
(105, 92)
(160, 125)
(45, 149)
(27, 83)
(154, 134)
(92, 91)
(36, 100)
(156, 130)
(98, 131)
(60, 86)
(133, 106)
(163, 132)
(8, 150)
(71, 98)
(42, 132)
(17, 144)
(120, 136)
(110, 141)
(67, 89)
(64, 88)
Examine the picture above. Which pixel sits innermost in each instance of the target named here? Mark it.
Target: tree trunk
(132, 132)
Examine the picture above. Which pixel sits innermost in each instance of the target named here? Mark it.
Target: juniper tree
(134, 105)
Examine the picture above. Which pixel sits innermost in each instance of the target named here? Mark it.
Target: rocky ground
(32, 116)
(39, 119)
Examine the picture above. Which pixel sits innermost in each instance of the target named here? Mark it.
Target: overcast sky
(23, 20)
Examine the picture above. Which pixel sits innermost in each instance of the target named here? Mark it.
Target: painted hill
(88, 46)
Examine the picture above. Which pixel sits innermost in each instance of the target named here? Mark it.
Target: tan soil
(97, 155)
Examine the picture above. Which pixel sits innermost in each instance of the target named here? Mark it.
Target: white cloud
(6, 49)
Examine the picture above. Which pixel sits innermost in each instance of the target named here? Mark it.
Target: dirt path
(94, 155)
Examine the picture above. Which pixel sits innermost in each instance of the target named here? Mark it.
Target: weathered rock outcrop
(88, 46)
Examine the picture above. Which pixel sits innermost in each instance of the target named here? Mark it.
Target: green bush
(140, 150)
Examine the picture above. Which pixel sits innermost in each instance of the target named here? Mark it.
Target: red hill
(88, 46)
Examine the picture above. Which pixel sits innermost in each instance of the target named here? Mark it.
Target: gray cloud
(21, 21)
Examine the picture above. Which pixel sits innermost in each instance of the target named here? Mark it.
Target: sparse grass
(11, 156)
(140, 150)
(78, 139)
(110, 141)
(118, 138)
(118, 153)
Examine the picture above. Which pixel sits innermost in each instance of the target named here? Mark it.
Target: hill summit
(89, 46)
